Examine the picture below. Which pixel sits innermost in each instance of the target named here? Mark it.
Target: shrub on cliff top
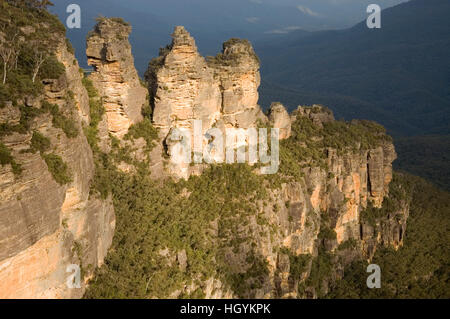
(118, 20)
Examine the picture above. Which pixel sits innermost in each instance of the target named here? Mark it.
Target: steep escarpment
(291, 234)
(48, 220)
(79, 146)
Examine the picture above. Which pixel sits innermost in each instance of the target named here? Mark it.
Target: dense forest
(425, 156)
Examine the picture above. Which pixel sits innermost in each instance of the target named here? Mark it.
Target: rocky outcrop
(321, 211)
(317, 113)
(221, 92)
(388, 231)
(279, 118)
(46, 226)
(237, 69)
(184, 86)
(115, 77)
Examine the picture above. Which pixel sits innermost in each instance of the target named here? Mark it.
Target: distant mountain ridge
(208, 21)
(398, 75)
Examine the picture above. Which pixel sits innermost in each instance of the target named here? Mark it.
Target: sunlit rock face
(41, 221)
(115, 77)
(221, 92)
(45, 227)
(185, 88)
(279, 118)
(237, 68)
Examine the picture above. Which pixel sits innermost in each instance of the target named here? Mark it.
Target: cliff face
(45, 225)
(279, 118)
(221, 92)
(115, 77)
(321, 213)
(331, 174)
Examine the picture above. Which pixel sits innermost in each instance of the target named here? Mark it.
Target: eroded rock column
(115, 77)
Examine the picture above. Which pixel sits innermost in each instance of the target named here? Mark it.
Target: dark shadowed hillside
(398, 75)
(425, 156)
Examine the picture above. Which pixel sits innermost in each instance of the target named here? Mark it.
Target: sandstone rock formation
(327, 199)
(237, 68)
(317, 113)
(45, 226)
(221, 92)
(334, 199)
(115, 76)
(279, 118)
(185, 87)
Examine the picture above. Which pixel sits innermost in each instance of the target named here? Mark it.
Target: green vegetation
(298, 263)
(309, 142)
(96, 111)
(321, 269)
(421, 267)
(156, 63)
(231, 59)
(399, 196)
(39, 143)
(7, 158)
(59, 170)
(145, 130)
(61, 121)
(27, 58)
(327, 233)
(348, 244)
(27, 115)
(118, 20)
(154, 216)
(52, 68)
(56, 166)
(26, 52)
(69, 46)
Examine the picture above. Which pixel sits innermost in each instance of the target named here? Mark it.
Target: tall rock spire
(220, 91)
(115, 77)
(183, 87)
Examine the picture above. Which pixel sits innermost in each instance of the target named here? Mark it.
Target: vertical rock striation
(115, 77)
(46, 226)
(222, 91)
(237, 69)
(183, 86)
